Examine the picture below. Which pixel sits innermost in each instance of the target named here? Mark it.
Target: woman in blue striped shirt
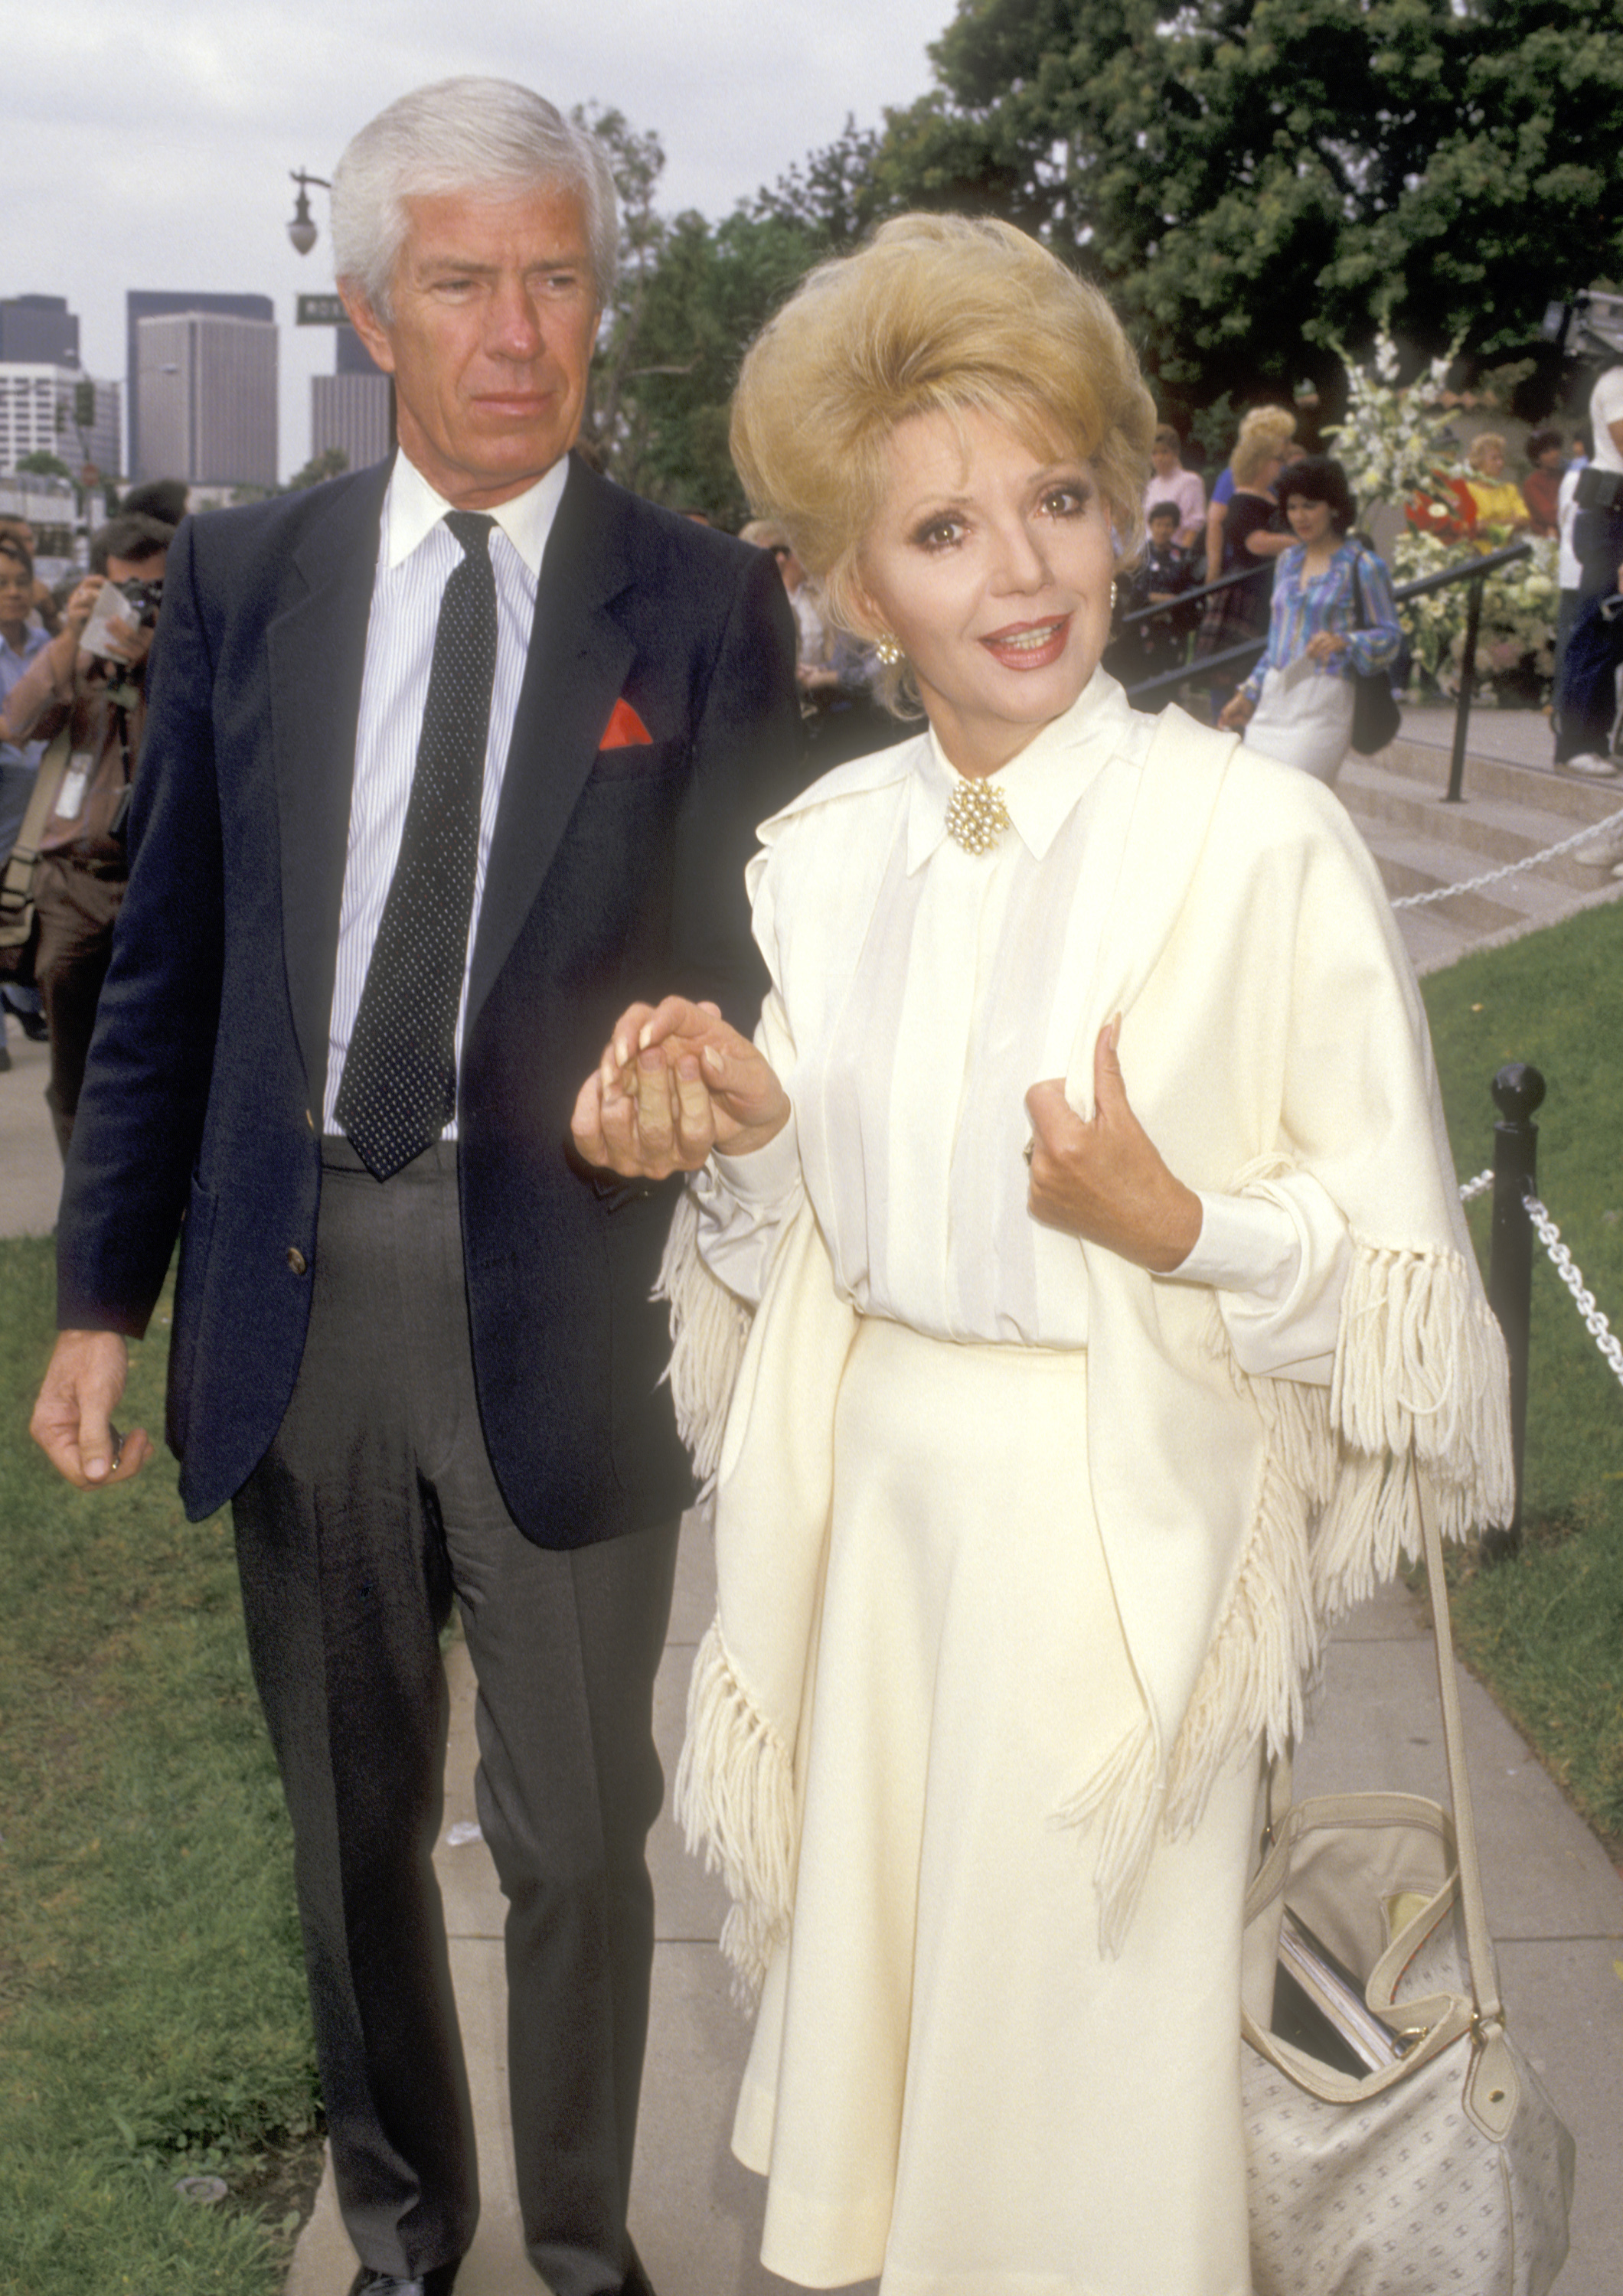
(1298, 703)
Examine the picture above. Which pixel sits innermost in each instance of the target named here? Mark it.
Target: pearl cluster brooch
(977, 816)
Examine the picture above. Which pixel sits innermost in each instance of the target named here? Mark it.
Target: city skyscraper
(151, 303)
(351, 408)
(208, 399)
(38, 331)
(48, 404)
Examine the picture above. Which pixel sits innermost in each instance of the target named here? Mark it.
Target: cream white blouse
(906, 1038)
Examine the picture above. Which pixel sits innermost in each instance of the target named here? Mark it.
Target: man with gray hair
(445, 762)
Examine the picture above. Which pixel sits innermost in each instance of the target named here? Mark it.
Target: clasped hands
(676, 1081)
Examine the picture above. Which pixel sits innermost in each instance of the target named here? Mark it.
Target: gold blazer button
(296, 1260)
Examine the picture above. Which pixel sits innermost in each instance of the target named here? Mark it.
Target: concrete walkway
(1554, 1902)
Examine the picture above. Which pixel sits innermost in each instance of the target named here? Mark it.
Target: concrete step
(1513, 809)
(1532, 781)
(1485, 830)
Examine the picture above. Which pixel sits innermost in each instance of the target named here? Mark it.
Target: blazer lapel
(317, 651)
(579, 658)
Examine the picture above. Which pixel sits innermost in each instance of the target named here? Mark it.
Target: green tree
(328, 464)
(43, 465)
(1253, 179)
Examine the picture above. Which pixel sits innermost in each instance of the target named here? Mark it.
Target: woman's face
(1310, 521)
(1164, 458)
(1490, 461)
(992, 565)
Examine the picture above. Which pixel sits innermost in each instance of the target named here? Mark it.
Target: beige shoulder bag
(1400, 2144)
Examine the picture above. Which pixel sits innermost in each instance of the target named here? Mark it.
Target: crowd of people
(505, 897)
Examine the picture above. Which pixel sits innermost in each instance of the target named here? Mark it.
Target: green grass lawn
(1544, 1630)
(153, 2019)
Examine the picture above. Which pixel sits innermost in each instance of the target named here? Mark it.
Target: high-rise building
(208, 399)
(351, 409)
(350, 412)
(152, 303)
(38, 331)
(57, 410)
(48, 404)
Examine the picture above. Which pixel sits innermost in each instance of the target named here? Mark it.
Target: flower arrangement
(1393, 448)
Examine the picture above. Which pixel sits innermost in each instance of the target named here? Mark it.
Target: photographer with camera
(84, 695)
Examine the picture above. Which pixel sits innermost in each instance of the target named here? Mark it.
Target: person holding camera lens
(84, 695)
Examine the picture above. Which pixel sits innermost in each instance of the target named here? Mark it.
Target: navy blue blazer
(613, 874)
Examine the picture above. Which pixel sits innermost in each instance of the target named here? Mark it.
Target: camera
(145, 598)
(1589, 327)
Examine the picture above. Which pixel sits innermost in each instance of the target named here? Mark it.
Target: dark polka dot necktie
(398, 1090)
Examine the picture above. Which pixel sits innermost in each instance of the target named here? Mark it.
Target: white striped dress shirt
(416, 556)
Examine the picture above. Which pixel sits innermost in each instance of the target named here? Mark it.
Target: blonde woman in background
(1498, 499)
(1089, 1130)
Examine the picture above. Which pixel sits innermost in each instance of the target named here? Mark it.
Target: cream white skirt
(1308, 725)
(949, 2086)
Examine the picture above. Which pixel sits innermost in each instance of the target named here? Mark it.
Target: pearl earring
(888, 652)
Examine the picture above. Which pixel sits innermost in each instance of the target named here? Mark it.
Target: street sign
(320, 311)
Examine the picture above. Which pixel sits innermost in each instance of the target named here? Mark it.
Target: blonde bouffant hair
(938, 314)
(1482, 446)
(1264, 436)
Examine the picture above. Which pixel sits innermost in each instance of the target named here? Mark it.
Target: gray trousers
(375, 1508)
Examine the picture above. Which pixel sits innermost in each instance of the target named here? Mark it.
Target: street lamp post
(302, 230)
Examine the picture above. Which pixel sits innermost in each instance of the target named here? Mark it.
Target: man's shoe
(1602, 851)
(34, 1026)
(1589, 765)
(437, 2283)
(5, 1059)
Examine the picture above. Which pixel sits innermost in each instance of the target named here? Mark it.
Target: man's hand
(72, 1422)
(674, 1082)
(1104, 1180)
(1237, 713)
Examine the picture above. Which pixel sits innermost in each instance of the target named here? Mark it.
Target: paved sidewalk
(30, 1169)
(1554, 1902)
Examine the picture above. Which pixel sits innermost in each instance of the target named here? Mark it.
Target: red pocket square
(625, 729)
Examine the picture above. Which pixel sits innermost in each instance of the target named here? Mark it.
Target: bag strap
(17, 877)
(42, 798)
(1478, 1944)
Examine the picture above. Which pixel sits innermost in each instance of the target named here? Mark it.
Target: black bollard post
(1518, 1091)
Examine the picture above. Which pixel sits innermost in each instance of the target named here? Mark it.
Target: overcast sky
(149, 146)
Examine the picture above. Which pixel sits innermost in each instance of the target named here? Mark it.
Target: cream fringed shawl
(1271, 1025)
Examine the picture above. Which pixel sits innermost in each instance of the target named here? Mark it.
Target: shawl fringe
(735, 1798)
(1419, 1360)
(709, 1327)
(1420, 1363)
(1128, 1791)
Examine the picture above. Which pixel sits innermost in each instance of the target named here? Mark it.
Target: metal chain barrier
(1479, 1187)
(1600, 1330)
(1511, 868)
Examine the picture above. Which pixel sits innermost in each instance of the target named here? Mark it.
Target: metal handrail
(1192, 598)
(1474, 571)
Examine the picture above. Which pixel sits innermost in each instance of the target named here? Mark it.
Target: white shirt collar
(412, 509)
(1042, 785)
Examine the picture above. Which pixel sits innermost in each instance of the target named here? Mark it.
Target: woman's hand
(1236, 713)
(1104, 1180)
(674, 1082)
(1325, 644)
